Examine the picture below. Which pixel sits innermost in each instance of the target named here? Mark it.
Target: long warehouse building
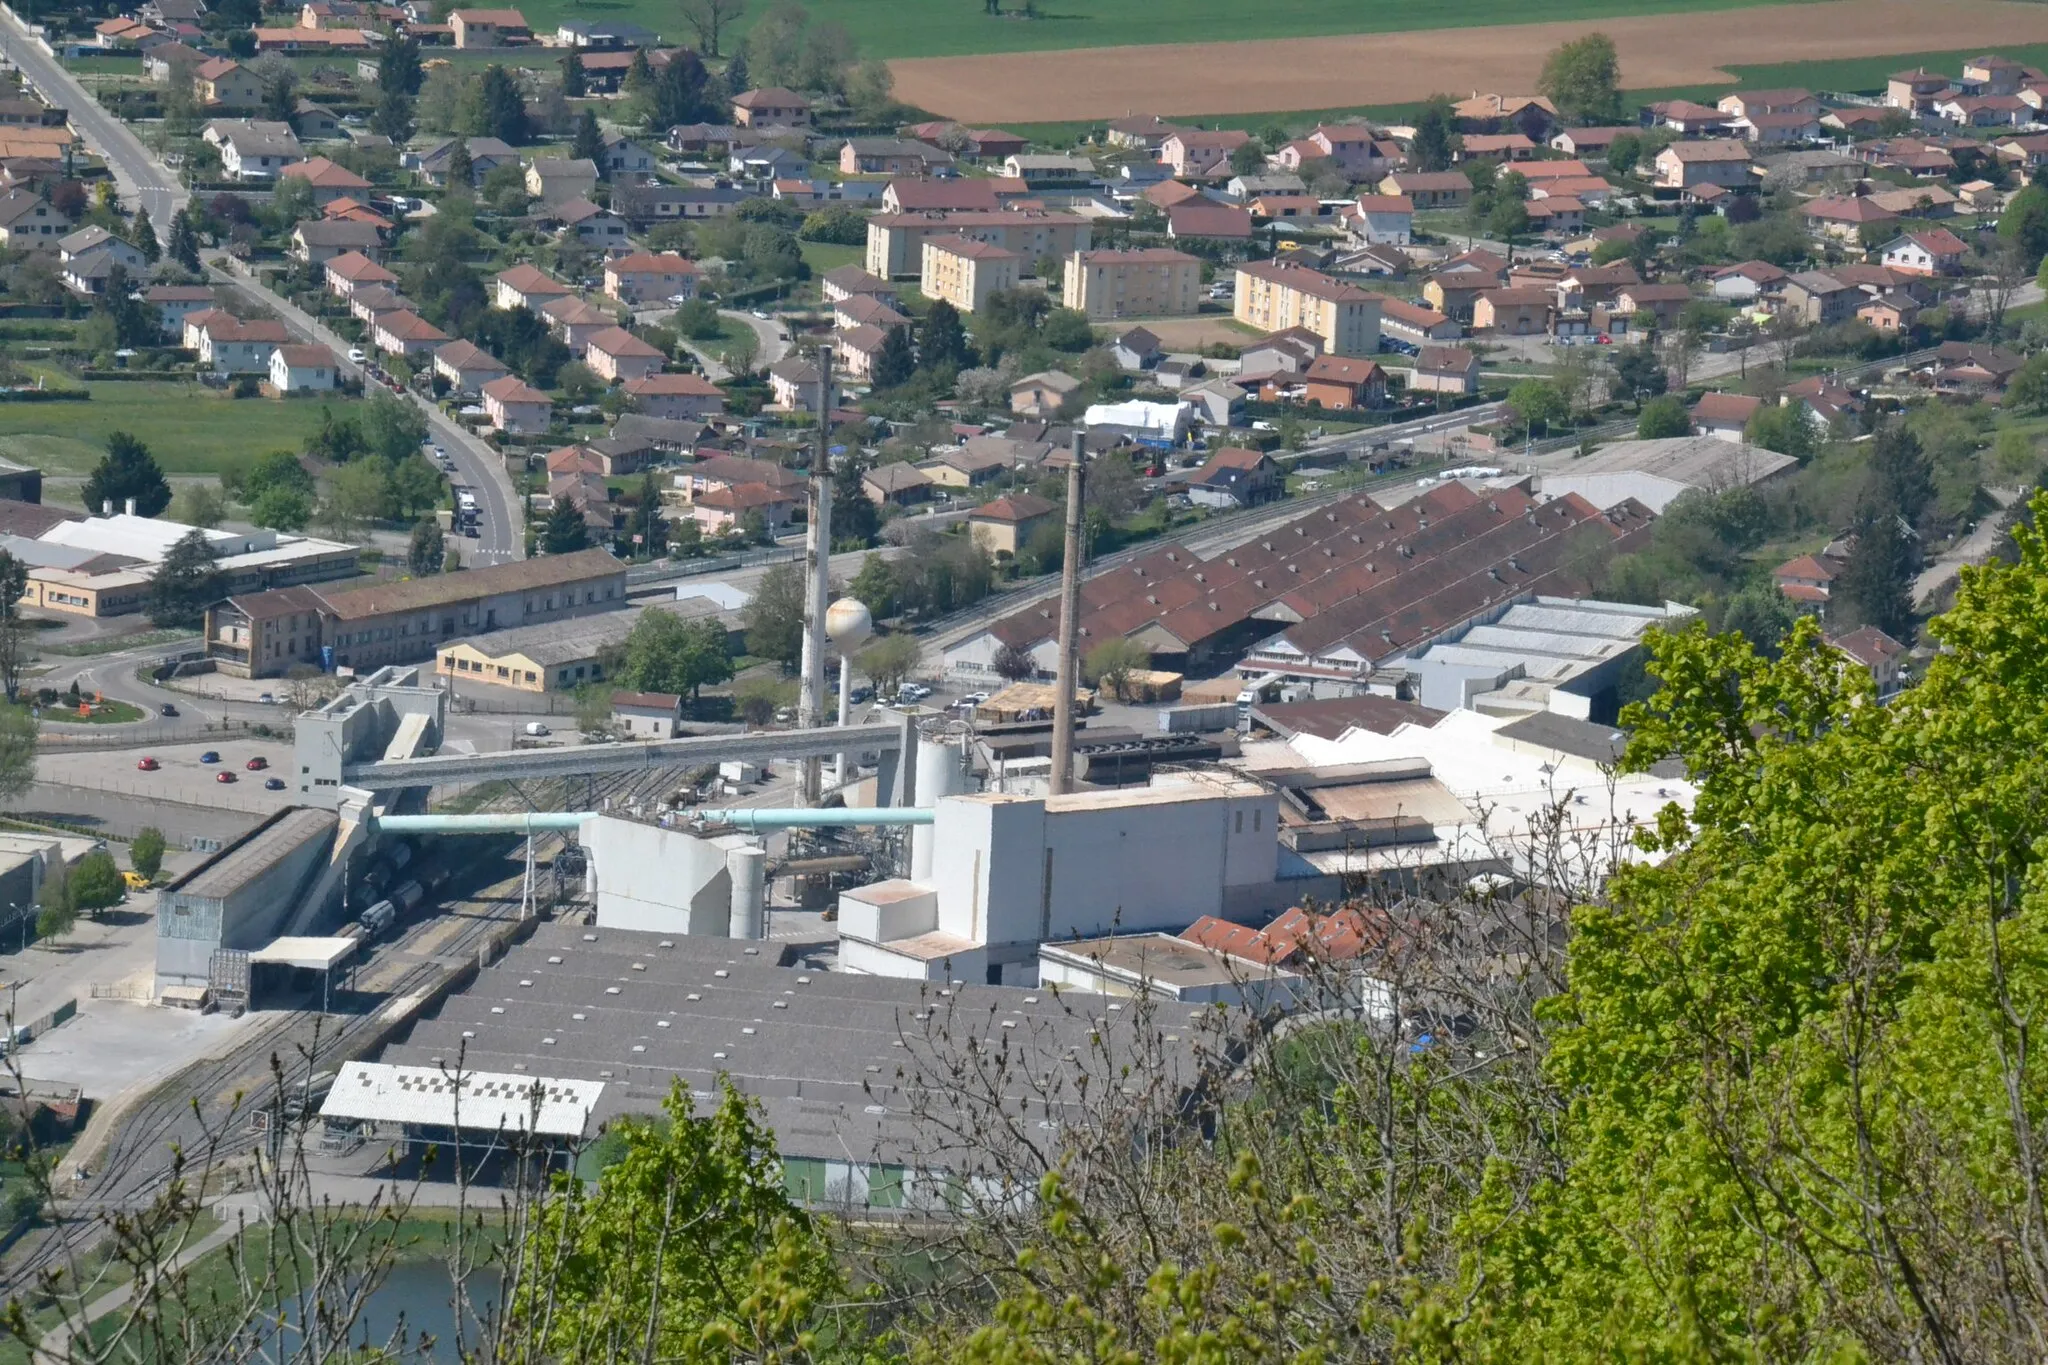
(1331, 594)
(240, 898)
(839, 1063)
(267, 634)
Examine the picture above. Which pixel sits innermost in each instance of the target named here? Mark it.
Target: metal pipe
(1064, 681)
(766, 818)
(817, 581)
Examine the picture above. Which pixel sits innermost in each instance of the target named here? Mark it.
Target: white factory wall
(888, 910)
(664, 881)
(1008, 870)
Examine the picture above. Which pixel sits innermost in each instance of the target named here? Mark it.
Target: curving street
(146, 182)
(502, 531)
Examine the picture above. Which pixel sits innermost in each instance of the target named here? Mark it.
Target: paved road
(482, 468)
(143, 180)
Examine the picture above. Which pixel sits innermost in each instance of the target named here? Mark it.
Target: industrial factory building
(239, 899)
(1331, 595)
(103, 566)
(604, 1021)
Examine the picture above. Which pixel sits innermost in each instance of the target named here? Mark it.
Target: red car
(224, 775)
(148, 765)
(257, 764)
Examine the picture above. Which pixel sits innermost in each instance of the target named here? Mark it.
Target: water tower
(848, 625)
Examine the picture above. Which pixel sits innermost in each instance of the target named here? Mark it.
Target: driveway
(141, 178)
(503, 531)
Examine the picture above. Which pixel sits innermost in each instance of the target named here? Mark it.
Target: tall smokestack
(817, 577)
(1066, 680)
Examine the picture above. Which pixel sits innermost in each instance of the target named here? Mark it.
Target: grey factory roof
(1568, 735)
(1701, 461)
(255, 853)
(832, 1057)
(562, 642)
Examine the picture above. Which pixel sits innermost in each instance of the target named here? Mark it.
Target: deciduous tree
(146, 852)
(1583, 79)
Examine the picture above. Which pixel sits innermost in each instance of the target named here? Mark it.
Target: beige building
(265, 634)
(1005, 525)
(1152, 282)
(1274, 296)
(896, 240)
(965, 272)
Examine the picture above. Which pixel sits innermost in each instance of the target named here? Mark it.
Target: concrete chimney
(748, 868)
(817, 580)
(1065, 679)
(107, 508)
(129, 507)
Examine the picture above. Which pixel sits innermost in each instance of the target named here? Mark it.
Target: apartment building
(1274, 296)
(896, 240)
(1151, 282)
(965, 272)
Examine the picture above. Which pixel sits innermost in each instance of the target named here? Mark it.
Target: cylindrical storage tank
(941, 771)
(748, 868)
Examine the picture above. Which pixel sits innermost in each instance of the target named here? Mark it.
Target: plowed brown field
(1396, 68)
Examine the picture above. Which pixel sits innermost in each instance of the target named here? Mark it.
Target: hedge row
(44, 395)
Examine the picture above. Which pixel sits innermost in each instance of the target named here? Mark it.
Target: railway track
(211, 1102)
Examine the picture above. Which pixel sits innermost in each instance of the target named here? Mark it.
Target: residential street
(773, 337)
(146, 181)
(503, 529)
(143, 180)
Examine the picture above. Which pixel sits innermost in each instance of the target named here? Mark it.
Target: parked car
(356, 356)
(210, 756)
(224, 775)
(537, 728)
(273, 784)
(147, 764)
(257, 764)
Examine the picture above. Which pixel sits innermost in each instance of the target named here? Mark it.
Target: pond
(420, 1292)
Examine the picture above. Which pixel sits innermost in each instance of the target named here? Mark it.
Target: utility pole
(1065, 682)
(817, 580)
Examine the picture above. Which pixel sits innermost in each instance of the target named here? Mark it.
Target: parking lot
(180, 776)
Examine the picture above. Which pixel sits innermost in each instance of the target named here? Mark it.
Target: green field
(191, 430)
(824, 256)
(952, 28)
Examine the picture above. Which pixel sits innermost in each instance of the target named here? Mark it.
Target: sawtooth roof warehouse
(1330, 595)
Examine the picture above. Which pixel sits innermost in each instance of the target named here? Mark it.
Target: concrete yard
(114, 1044)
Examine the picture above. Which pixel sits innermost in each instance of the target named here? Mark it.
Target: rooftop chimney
(129, 507)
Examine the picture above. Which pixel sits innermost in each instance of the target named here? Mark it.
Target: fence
(220, 800)
(129, 736)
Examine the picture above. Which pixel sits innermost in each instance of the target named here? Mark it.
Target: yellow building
(1154, 282)
(1274, 296)
(965, 272)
